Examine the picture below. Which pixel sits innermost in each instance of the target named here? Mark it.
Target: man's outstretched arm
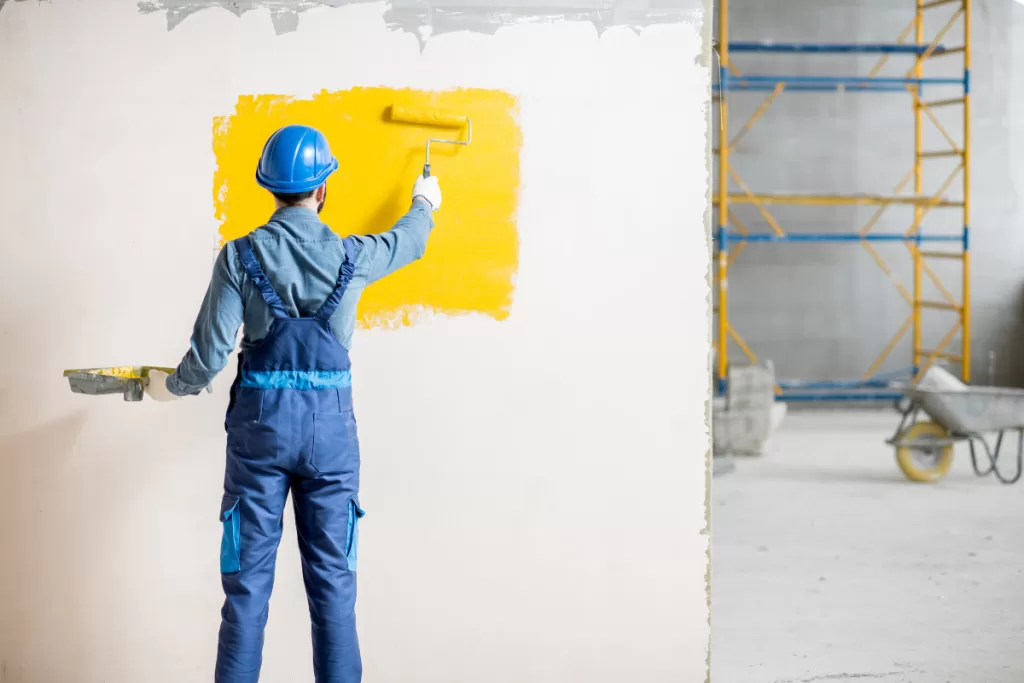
(407, 240)
(215, 332)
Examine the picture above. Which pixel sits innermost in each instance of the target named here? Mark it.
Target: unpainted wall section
(535, 485)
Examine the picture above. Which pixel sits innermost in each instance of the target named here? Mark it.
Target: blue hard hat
(296, 159)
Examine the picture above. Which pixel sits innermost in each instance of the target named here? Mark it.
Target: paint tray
(127, 380)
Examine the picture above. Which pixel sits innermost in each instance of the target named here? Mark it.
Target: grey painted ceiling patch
(284, 13)
(424, 20)
(482, 16)
(4, 2)
(479, 17)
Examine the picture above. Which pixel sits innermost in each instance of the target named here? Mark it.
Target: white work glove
(157, 390)
(428, 189)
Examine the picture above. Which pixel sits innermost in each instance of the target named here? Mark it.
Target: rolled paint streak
(473, 253)
(479, 16)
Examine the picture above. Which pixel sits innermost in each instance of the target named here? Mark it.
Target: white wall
(536, 487)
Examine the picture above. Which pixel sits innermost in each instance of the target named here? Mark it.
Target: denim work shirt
(302, 257)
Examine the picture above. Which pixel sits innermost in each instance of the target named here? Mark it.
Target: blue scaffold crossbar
(837, 237)
(829, 83)
(834, 48)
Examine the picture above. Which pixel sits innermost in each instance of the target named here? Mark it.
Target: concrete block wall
(825, 311)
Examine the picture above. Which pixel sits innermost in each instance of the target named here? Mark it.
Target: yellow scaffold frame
(732, 237)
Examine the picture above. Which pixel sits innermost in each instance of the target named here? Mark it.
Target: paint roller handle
(426, 170)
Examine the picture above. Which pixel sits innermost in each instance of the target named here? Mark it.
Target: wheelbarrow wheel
(921, 459)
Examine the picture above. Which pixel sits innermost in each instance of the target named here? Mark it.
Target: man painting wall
(293, 286)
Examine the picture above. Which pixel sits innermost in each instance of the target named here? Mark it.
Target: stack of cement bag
(744, 420)
(940, 379)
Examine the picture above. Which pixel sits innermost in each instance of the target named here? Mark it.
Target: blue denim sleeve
(216, 330)
(404, 243)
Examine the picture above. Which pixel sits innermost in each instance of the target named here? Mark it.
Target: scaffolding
(732, 237)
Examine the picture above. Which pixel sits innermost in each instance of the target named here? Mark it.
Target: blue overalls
(290, 427)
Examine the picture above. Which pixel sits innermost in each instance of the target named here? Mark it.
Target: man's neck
(309, 205)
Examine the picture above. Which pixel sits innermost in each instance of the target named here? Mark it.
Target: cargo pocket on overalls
(355, 513)
(231, 541)
(335, 445)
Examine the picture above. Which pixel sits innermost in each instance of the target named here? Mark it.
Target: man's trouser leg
(251, 512)
(327, 515)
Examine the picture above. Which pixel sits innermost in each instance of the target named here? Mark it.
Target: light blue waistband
(297, 379)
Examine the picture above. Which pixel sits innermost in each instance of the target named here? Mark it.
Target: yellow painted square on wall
(473, 252)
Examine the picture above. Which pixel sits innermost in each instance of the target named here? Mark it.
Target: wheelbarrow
(924, 448)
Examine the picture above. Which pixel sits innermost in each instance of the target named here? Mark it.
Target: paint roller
(434, 118)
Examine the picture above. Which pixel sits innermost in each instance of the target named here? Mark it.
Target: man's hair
(293, 199)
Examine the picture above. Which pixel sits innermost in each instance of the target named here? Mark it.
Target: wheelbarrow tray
(127, 380)
(972, 410)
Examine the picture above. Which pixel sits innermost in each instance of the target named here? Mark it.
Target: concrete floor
(829, 566)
